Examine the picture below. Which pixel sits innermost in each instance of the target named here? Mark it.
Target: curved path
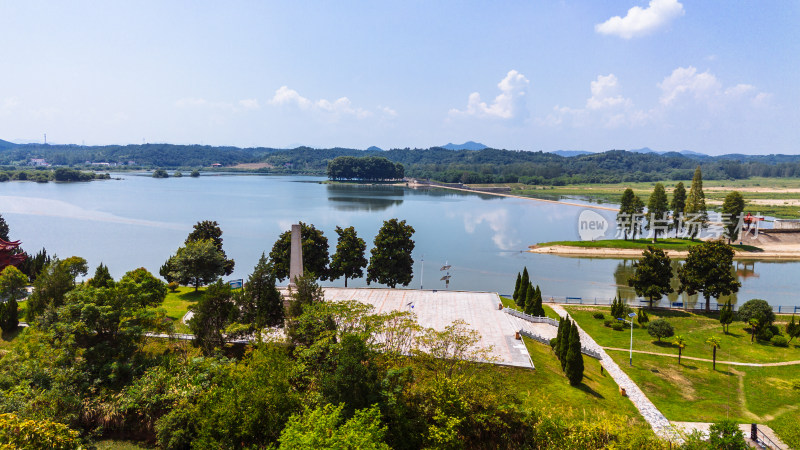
(732, 363)
(662, 427)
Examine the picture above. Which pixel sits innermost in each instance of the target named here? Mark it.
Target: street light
(622, 319)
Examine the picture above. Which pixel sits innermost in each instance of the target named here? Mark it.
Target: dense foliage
(371, 168)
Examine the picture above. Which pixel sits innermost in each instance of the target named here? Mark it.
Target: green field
(546, 387)
(693, 392)
(641, 244)
(695, 328)
(715, 191)
(177, 304)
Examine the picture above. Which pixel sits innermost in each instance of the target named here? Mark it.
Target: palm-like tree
(680, 342)
(713, 341)
(753, 327)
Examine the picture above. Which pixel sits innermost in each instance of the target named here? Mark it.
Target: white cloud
(606, 108)
(249, 103)
(686, 84)
(509, 104)
(330, 109)
(388, 112)
(641, 21)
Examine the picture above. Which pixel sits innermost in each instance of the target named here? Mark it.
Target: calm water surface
(138, 221)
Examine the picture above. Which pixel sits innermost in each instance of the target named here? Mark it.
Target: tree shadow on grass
(663, 344)
(667, 313)
(590, 391)
(688, 367)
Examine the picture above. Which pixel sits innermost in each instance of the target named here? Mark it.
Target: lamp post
(622, 319)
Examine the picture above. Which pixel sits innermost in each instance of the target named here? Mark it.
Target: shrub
(660, 328)
(553, 343)
(173, 286)
(779, 341)
(618, 326)
(765, 335)
(33, 434)
(726, 435)
(796, 384)
(609, 323)
(598, 315)
(757, 309)
(775, 330)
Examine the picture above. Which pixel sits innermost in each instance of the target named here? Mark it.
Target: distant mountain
(682, 152)
(469, 145)
(374, 149)
(571, 153)
(6, 144)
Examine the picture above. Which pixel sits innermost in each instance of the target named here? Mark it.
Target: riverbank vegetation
(45, 175)
(674, 244)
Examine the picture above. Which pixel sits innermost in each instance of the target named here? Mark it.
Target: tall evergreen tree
(516, 287)
(538, 309)
(732, 209)
(638, 215)
(657, 212)
(677, 205)
(563, 343)
(4, 229)
(574, 358)
(530, 293)
(695, 210)
(102, 277)
(263, 302)
(525, 278)
(625, 214)
(726, 316)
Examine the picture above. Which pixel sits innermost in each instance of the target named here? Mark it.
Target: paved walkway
(731, 363)
(438, 309)
(662, 427)
(704, 427)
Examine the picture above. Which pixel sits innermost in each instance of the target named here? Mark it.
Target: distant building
(216, 165)
(38, 162)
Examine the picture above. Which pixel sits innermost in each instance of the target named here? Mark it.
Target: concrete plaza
(438, 309)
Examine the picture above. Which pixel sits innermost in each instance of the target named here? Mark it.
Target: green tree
(626, 211)
(755, 326)
(538, 309)
(563, 342)
(325, 428)
(574, 358)
(726, 435)
(530, 299)
(306, 292)
(53, 282)
(659, 329)
(695, 209)
(677, 205)
(102, 277)
(259, 304)
(523, 289)
(355, 377)
(210, 230)
(197, 263)
(638, 215)
(107, 326)
(714, 342)
(160, 173)
(12, 288)
(642, 318)
(759, 310)
(652, 275)
(658, 211)
(516, 287)
(4, 230)
(212, 315)
(792, 329)
(391, 263)
(732, 208)
(195, 173)
(349, 260)
(680, 342)
(708, 269)
(726, 316)
(315, 252)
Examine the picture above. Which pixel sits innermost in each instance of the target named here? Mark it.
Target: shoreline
(500, 194)
(616, 253)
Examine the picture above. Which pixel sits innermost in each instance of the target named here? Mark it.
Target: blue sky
(708, 76)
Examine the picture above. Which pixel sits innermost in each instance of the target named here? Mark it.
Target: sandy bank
(769, 253)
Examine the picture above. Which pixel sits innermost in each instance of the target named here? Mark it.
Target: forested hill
(468, 166)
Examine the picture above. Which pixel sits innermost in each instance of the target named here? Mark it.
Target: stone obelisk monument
(296, 256)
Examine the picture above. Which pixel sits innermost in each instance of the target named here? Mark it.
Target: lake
(138, 221)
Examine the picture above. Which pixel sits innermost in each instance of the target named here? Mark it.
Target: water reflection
(371, 198)
(625, 269)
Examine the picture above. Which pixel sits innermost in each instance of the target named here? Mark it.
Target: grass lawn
(547, 387)
(664, 244)
(693, 392)
(548, 311)
(695, 328)
(177, 304)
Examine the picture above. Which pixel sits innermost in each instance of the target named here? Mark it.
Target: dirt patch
(253, 166)
(676, 378)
